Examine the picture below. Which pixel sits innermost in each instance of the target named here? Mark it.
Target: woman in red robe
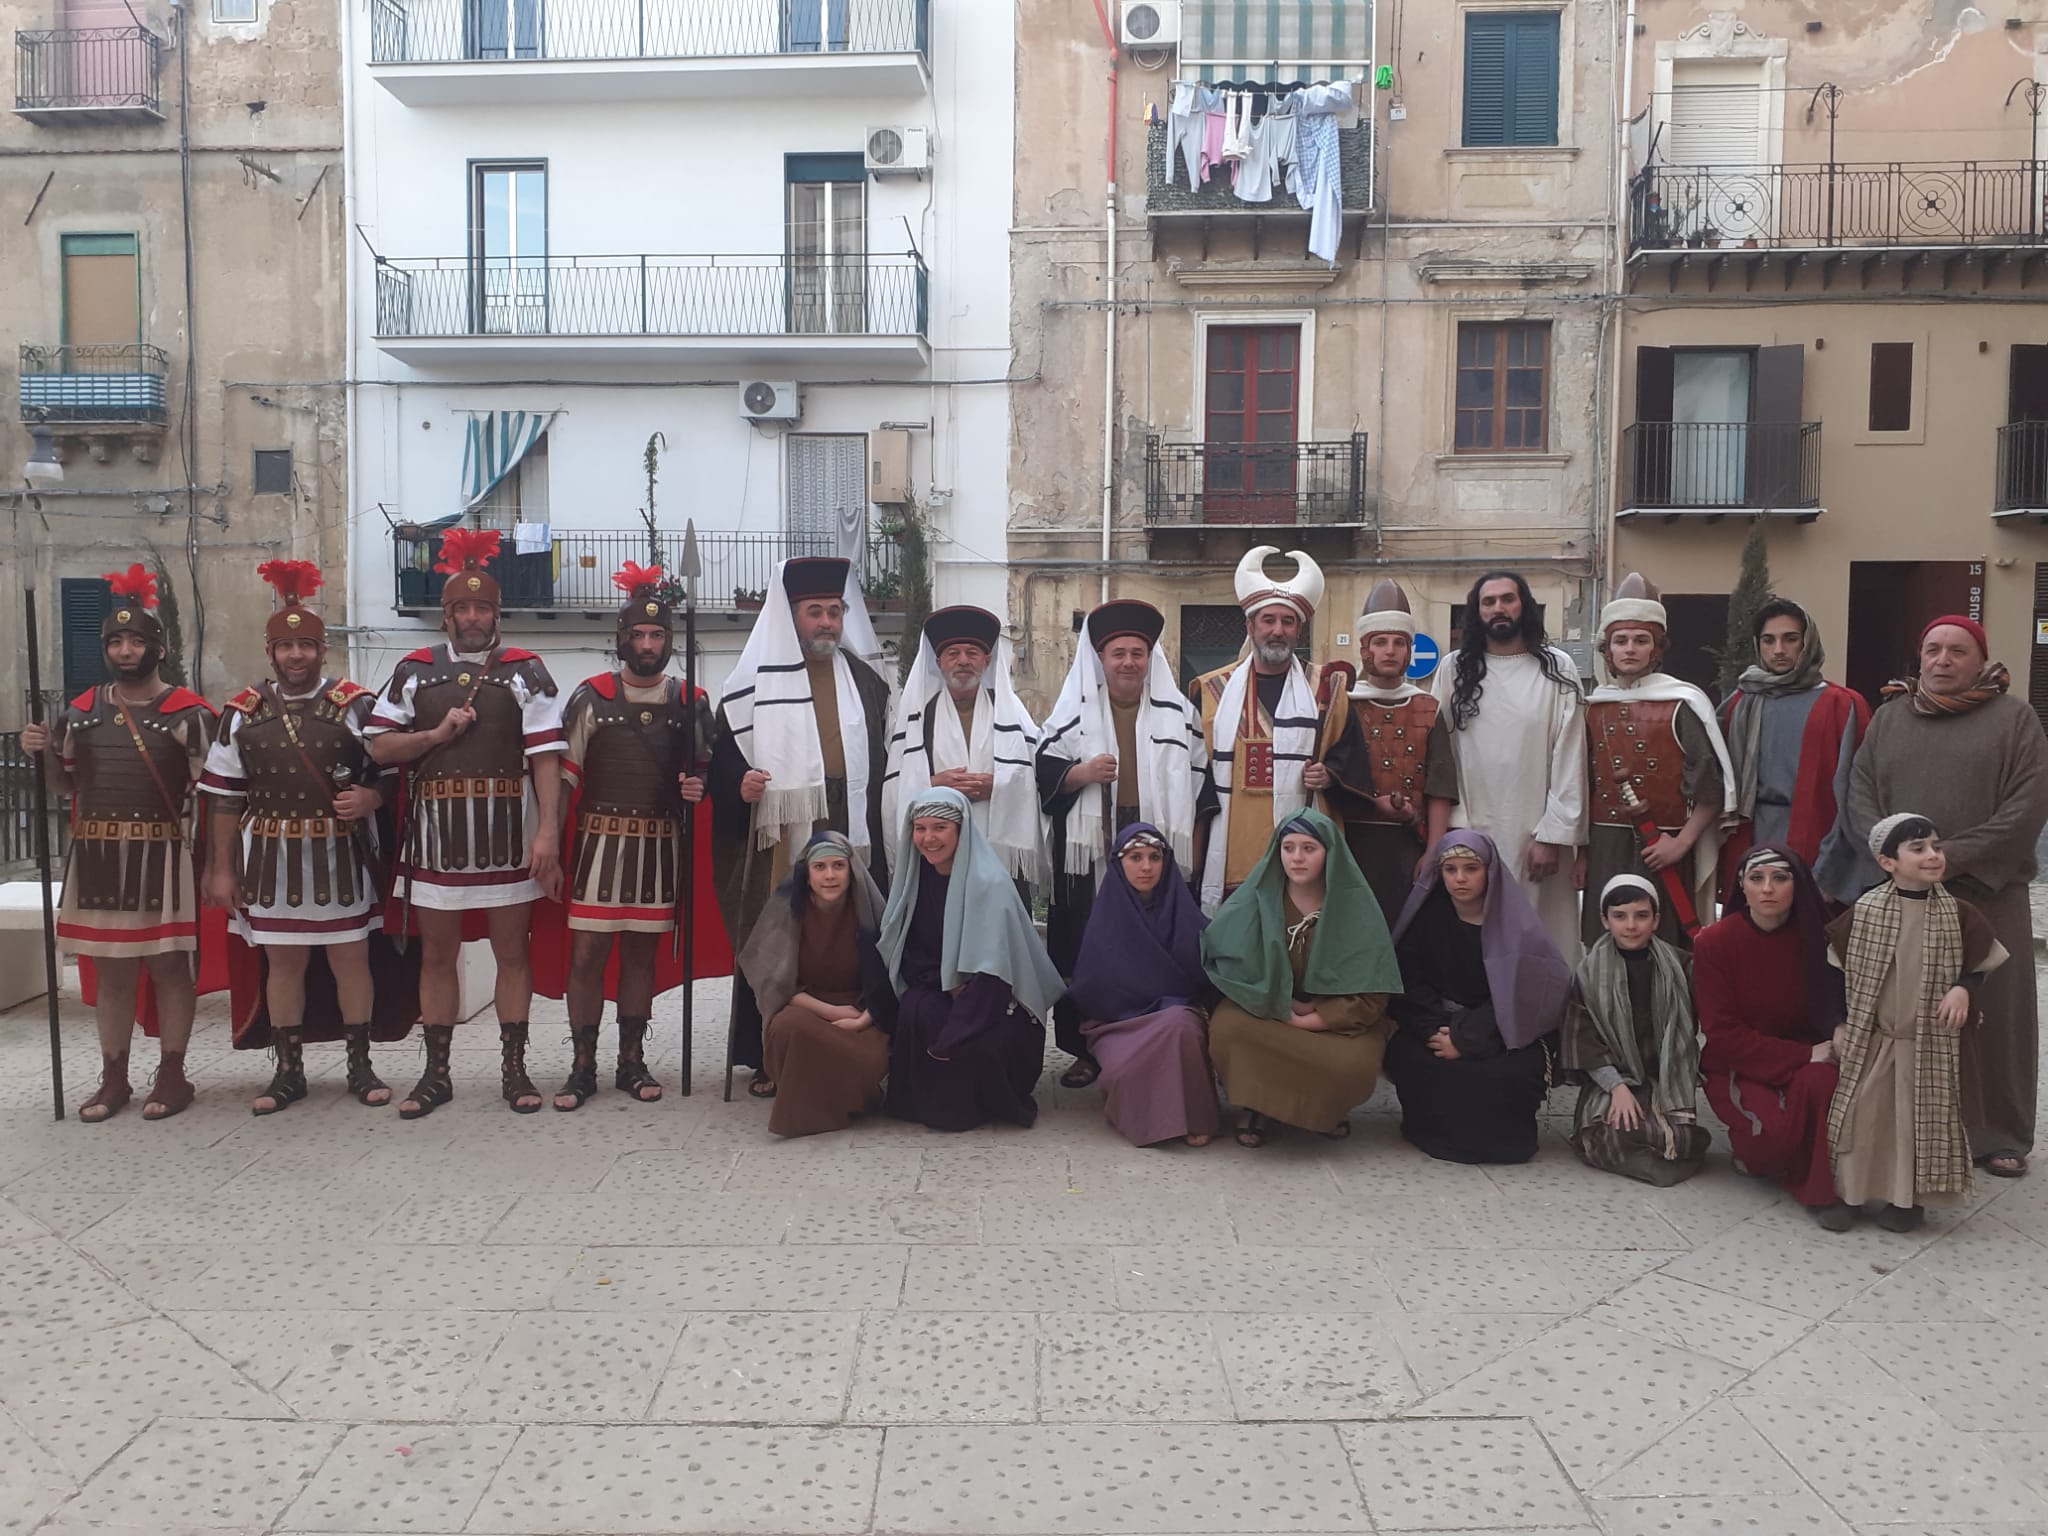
(1768, 1005)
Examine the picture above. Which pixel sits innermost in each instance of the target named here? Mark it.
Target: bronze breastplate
(1636, 742)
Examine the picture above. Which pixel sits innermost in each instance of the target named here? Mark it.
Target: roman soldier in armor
(293, 856)
(1658, 782)
(477, 725)
(1387, 755)
(636, 748)
(131, 751)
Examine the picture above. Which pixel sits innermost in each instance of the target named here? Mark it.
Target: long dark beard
(134, 672)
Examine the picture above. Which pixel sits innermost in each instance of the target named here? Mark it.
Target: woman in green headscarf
(1301, 954)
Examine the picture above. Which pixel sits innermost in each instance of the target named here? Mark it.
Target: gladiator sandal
(288, 1084)
(113, 1094)
(633, 1076)
(363, 1080)
(582, 1082)
(515, 1084)
(172, 1088)
(434, 1087)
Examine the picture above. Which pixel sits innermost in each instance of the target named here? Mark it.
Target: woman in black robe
(973, 981)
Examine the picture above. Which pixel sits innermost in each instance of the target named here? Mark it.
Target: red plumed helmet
(631, 578)
(294, 580)
(466, 549)
(137, 582)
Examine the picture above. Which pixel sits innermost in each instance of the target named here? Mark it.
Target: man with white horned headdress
(1260, 721)
(960, 725)
(1121, 745)
(802, 733)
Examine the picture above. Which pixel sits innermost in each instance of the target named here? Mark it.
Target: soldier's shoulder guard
(247, 702)
(345, 693)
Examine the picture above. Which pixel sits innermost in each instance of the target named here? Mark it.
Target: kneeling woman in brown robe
(972, 979)
(1301, 955)
(1484, 990)
(824, 991)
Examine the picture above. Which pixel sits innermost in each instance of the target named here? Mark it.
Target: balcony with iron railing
(110, 383)
(1836, 206)
(451, 52)
(870, 309)
(87, 75)
(570, 570)
(1170, 203)
(2022, 486)
(1714, 469)
(1195, 486)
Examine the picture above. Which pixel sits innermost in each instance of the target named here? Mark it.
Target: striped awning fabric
(1279, 40)
(496, 442)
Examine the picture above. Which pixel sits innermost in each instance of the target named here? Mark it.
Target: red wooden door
(1251, 400)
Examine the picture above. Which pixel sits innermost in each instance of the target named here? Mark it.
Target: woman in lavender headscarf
(1483, 991)
(1138, 984)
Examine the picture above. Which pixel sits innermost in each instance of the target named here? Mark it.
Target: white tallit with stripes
(1294, 744)
(1004, 742)
(1169, 756)
(767, 705)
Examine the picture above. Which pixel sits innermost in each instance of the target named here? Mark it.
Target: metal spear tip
(692, 564)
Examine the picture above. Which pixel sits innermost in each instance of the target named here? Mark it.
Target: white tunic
(1522, 776)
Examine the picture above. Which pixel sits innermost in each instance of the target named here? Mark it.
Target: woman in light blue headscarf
(973, 982)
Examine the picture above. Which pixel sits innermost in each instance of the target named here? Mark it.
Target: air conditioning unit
(899, 151)
(763, 400)
(1151, 23)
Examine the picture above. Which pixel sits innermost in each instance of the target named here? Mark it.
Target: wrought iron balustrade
(1893, 203)
(17, 809)
(652, 296)
(1273, 484)
(521, 31)
(1722, 465)
(87, 72)
(106, 381)
(570, 570)
(2022, 467)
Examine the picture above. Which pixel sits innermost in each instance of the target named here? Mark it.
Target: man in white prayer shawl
(1513, 702)
(1261, 718)
(1654, 760)
(1121, 745)
(960, 725)
(801, 746)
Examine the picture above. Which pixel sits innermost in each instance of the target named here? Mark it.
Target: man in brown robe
(801, 747)
(1385, 767)
(1956, 747)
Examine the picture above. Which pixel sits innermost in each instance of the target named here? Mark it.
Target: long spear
(42, 808)
(686, 908)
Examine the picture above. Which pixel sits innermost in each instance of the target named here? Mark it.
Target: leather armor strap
(177, 813)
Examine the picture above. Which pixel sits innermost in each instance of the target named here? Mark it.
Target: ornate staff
(686, 886)
(42, 809)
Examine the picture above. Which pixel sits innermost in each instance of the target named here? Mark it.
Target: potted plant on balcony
(884, 591)
(747, 599)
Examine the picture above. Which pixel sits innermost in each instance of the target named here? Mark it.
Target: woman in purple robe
(973, 982)
(1139, 984)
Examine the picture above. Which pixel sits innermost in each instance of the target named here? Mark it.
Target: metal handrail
(87, 68)
(527, 31)
(1271, 484)
(2022, 467)
(572, 571)
(653, 296)
(96, 381)
(1724, 465)
(1887, 203)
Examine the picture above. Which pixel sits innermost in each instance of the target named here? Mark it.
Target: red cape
(1813, 792)
(213, 922)
(712, 952)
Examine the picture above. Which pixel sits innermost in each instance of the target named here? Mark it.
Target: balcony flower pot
(748, 602)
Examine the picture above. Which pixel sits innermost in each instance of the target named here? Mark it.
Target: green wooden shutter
(1486, 78)
(1532, 79)
(1511, 61)
(83, 603)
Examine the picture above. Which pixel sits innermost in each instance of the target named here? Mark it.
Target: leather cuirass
(1637, 742)
(496, 744)
(634, 755)
(1396, 742)
(112, 782)
(279, 781)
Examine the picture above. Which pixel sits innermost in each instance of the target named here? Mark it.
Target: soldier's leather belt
(92, 829)
(465, 788)
(293, 826)
(597, 823)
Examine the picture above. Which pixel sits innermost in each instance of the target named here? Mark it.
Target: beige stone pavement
(658, 1319)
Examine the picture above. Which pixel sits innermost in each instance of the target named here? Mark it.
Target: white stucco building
(579, 223)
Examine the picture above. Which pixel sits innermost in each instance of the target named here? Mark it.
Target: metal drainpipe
(1607, 498)
(1109, 310)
